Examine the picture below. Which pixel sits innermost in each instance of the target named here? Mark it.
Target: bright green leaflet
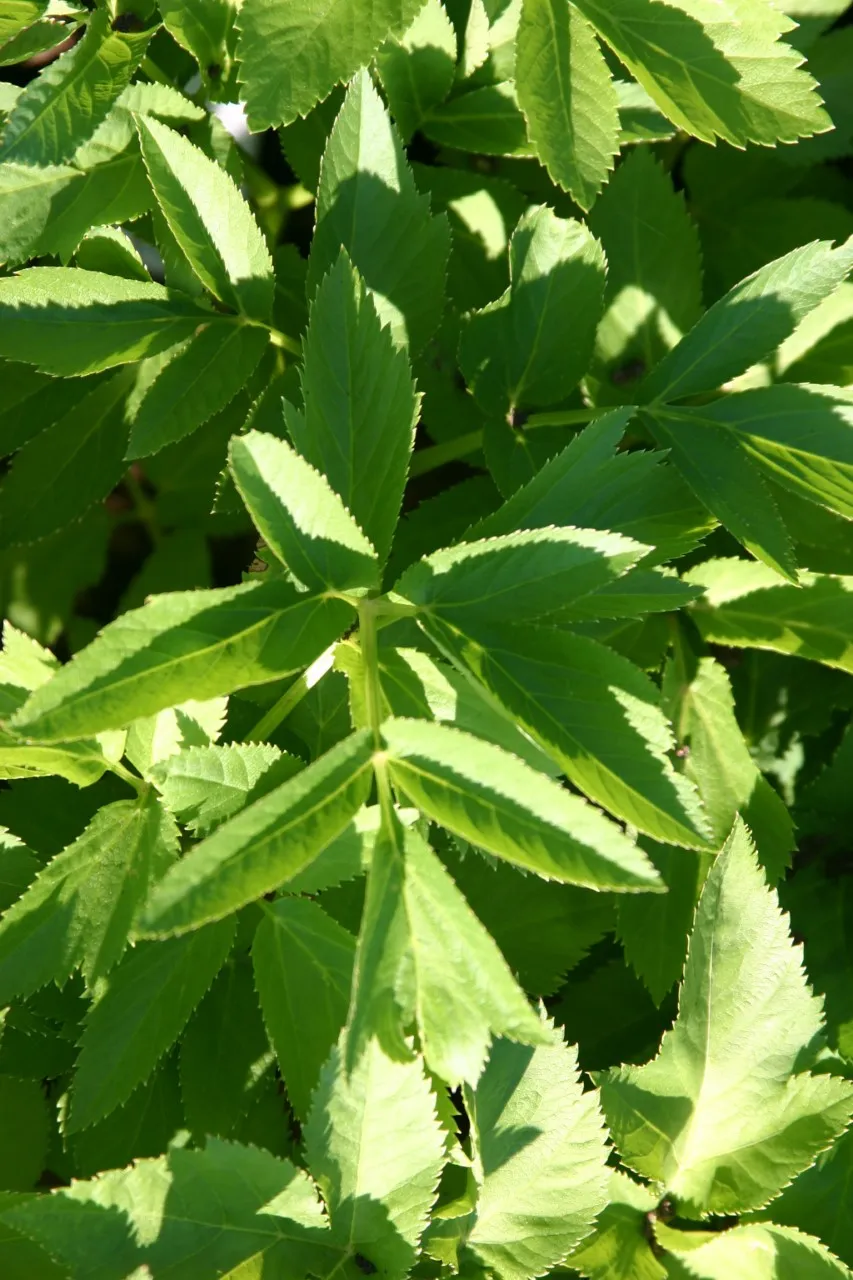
(721, 1123)
(618, 1248)
(204, 785)
(753, 1252)
(567, 96)
(300, 517)
(266, 844)
(418, 68)
(368, 204)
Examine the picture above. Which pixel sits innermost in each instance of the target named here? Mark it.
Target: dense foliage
(425, 683)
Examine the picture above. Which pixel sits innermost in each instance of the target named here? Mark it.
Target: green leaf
(68, 321)
(822, 919)
(303, 973)
(755, 1252)
(801, 437)
(79, 910)
(746, 606)
(266, 844)
(698, 697)
(619, 1247)
(66, 469)
(25, 1132)
(205, 785)
(486, 121)
(300, 517)
(567, 96)
(533, 345)
(196, 381)
(750, 322)
(418, 68)
(654, 275)
(368, 204)
(357, 427)
(63, 106)
(590, 485)
(376, 1150)
(715, 72)
(424, 956)
(721, 475)
(206, 29)
(818, 1199)
(493, 799)
(142, 1012)
(109, 250)
(593, 711)
(522, 576)
(184, 644)
(539, 1163)
(292, 58)
(223, 1052)
(210, 221)
(715, 1118)
(18, 14)
(224, 1210)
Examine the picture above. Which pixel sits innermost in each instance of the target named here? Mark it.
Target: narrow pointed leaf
(303, 963)
(141, 1014)
(299, 516)
(79, 910)
(719, 1121)
(209, 219)
(191, 644)
(68, 321)
(357, 427)
(62, 107)
(568, 97)
(368, 204)
(266, 844)
(750, 322)
(521, 575)
(497, 802)
(532, 347)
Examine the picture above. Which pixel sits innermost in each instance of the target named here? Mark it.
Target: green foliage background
(425, 685)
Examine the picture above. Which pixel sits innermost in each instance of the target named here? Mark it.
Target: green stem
(279, 339)
(564, 417)
(291, 697)
(139, 785)
(144, 509)
(438, 454)
(153, 72)
(367, 633)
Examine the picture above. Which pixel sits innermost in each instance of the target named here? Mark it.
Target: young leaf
(68, 321)
(567, 96)
(301, 519)
(462, 991)
(376, 1150)
(746, 606)
(357, 427)
(204, 785)
(493, 799)
(210, 221)
(184, 644)
(195, 382)
(533, 345)
(521, 575)
(750, 322)
(266, 844)
(368, 204)
(292, 58)
(62, 107)
(303, 973)
(79, 909)
(715, 72)
(140, 1015)
(738, 1120)
(417, 69)
(539, 1164)
(593, 711)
